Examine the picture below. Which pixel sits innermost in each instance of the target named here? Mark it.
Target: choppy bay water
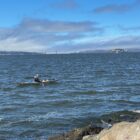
(89, 86)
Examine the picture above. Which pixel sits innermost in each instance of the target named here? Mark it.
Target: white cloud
(36, 35)
(117, 42)
(117, 8)
(33, 35)
(12, 44)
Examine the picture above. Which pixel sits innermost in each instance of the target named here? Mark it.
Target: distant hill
(133, 50)
(17, 53)
(95, 51)
(81, 52)
(111, 50)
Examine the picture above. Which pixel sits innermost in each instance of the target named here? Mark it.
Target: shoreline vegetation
(123, 125)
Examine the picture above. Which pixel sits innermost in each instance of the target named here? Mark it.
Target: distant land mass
(17, 53)
(111, 50)
(114, 50)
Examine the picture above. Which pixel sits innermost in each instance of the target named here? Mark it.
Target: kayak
(43, 82)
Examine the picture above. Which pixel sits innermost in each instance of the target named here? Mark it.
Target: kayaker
(36, 78)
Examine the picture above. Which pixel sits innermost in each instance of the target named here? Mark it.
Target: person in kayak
(36, 78)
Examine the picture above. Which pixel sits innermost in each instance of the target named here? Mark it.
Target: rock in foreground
(77, 134)
(119, 131)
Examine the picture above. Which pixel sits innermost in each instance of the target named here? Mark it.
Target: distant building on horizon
(118, 50)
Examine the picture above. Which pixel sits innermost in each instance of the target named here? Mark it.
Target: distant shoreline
(40, 53)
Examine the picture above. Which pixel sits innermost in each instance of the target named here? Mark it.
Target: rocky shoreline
(111, 126)
(78, 134)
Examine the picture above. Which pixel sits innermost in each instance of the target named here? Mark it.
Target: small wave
(29, 134)
(90, 92)
(125, 101)
(119, 116)
(8, 108)
(46, 116)
(62, 103)
(7, 89)
(101, 71)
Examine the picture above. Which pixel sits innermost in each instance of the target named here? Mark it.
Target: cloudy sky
(69, 25)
